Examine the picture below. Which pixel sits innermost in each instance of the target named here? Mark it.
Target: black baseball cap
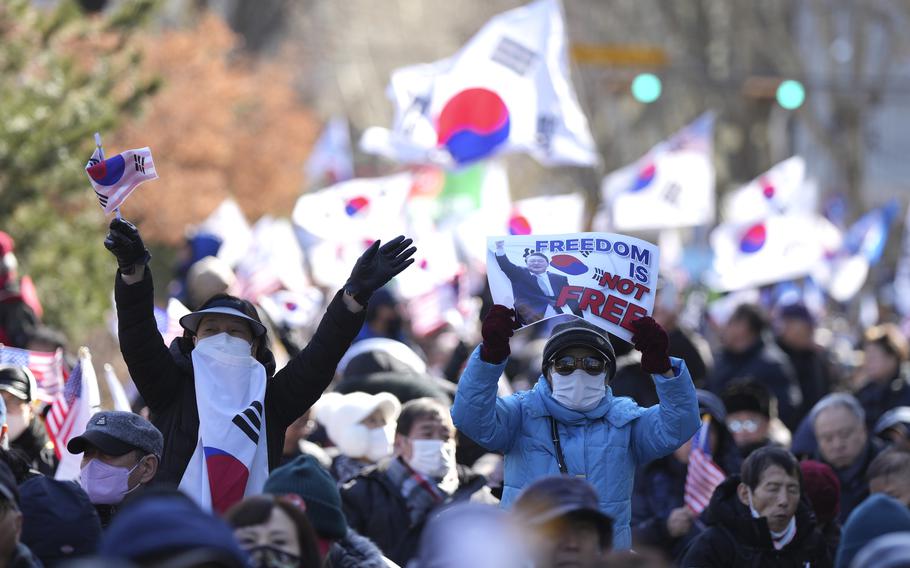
(551, 498)
(18, 381)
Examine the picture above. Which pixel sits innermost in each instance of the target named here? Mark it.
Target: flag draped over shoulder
(115, 178)
(670, 186)
(703, 475)
(507, 90)
(47, 367)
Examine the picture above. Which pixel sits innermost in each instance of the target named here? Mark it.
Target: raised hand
(126, 245)
(377, 265)
(651, 339)
(498, 326)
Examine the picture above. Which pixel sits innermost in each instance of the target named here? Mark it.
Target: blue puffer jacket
(603, 445)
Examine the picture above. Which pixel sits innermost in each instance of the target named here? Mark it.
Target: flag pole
(101, 155)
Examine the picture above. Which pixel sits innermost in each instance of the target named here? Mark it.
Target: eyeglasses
(591, 365)
(748, 425)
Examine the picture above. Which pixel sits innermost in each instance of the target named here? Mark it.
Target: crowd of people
(356, 443)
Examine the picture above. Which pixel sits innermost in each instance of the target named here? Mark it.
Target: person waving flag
(115, 178)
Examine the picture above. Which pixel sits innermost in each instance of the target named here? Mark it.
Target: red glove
(654, 344)
(498, 326)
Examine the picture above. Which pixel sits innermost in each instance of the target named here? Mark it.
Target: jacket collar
(618, 411)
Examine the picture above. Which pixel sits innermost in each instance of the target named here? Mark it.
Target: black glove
(124, 242)
(377, 266)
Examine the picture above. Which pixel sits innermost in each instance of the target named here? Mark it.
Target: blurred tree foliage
(223, 125)
(63, 76)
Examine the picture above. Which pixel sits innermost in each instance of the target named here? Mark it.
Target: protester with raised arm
(215, 393)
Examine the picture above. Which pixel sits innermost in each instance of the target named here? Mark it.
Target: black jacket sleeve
(151, 365)
(302, 381)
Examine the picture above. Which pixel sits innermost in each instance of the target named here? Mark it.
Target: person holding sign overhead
(570, 422)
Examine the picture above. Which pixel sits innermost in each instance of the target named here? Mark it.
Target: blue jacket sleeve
(668, 425)
(490, 421)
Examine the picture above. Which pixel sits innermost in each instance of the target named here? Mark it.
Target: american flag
(47, 368)
(703, 475)
(60, 420)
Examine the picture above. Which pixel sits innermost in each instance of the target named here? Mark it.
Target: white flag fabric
(784, 189)
(605, 278)
(331, 158)
(782, 247)
(273, 262)
(115, 388)
(670, 186)
(355, 209)
(115, 178)
(335, 225)
(228, 223)
(75, 406)
(231, 456)
(547, 214)
(507, 90)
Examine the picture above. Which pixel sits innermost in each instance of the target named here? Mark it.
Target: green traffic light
(646, 88)
(791, 94)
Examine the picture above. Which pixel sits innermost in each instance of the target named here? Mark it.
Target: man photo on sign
(570, 423)
(215, 394)
(535, 289)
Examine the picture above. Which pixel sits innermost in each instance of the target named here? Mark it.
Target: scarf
(231, 458)
(421, 494)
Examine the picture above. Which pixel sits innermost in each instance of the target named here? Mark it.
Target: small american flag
(60, 420)
(703, 475)
(47, 368)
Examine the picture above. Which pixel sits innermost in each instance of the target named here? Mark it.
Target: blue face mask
(106, 484)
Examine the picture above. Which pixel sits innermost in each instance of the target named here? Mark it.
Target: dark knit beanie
(823, 488)
(305, 478)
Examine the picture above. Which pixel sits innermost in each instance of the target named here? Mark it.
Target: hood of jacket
(726, 511)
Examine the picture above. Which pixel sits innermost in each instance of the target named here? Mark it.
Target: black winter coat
(164, 377)
(375, 508)
(734, 538)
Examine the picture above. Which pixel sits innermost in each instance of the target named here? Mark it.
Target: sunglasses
(566, 364)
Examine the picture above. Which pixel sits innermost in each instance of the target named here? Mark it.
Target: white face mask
(579, 390)
(380, 442)
(358, 441)
(432, 458)
(226, 344)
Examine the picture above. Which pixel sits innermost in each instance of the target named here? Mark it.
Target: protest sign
(605, 278)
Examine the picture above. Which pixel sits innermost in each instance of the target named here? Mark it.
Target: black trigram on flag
(139, 162)
(250, 421)
(101, 198)
(514, 56)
